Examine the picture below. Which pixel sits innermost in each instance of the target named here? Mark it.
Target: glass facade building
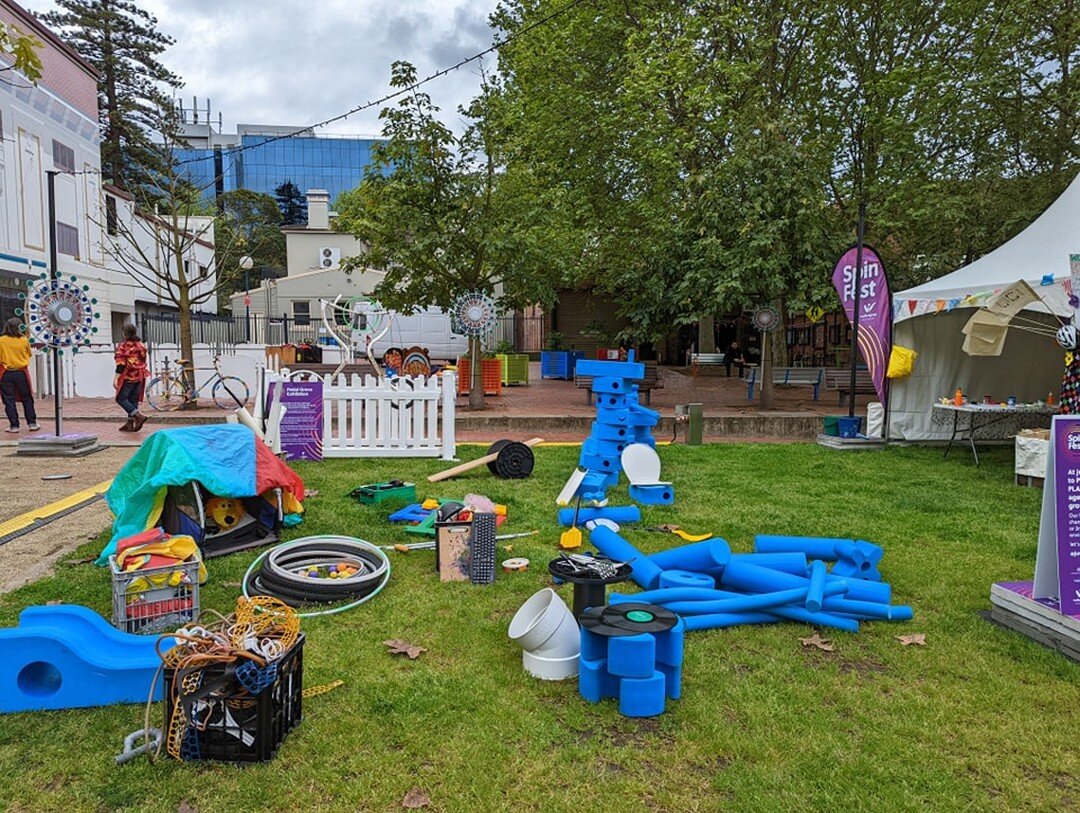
(266, 160)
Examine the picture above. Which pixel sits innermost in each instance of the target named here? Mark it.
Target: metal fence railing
(523, 334)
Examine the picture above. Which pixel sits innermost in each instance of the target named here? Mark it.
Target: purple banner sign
(875, 310)
(1067, 487)
(302, 423)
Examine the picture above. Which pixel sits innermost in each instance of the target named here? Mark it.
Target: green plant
(554, 341)
(504, 347)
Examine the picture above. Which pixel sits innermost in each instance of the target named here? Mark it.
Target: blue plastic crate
(559, 363)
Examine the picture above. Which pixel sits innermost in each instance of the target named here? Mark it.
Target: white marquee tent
(929, 318)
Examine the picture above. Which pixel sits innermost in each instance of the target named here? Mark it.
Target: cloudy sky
(292, 62)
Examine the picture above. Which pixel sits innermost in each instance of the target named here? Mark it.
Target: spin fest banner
(875, 310)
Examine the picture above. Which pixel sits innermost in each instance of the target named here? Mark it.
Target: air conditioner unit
(329, 257)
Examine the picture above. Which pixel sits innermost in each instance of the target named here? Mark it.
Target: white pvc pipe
(245, 417)
(548, 635)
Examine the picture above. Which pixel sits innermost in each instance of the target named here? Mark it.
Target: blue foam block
(653, 494)
(685, 578)
(632, 656)
(643, 697)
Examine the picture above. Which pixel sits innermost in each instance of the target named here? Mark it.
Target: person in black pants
(734, 355)
(15, 376)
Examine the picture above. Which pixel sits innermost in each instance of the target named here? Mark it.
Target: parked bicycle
(165, 392)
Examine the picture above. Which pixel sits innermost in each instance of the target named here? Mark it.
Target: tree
(121, 40)
(156, 242)
(249, 225)
(21, 48)
(291, 204)
(438, 220)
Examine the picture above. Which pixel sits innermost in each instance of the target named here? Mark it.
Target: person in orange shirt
(131, 375)
(15, 376)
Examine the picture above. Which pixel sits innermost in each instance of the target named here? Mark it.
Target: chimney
(318, 209)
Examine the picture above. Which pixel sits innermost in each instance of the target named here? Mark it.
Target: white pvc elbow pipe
(548, 635)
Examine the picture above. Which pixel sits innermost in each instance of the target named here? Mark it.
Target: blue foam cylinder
(644, 571)
(868, 609)
(815, 592)
(631, 656)
(643, 697)
(787, 612)
(751, 578)
(685, 578)
(788, 562)
(653, 494)
(738, 603)
(616, 513)
(702, 557)
(815, 547)
(716, 621)
(669, 594)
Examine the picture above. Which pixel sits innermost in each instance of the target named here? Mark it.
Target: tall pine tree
(121, 40)
(292, 203)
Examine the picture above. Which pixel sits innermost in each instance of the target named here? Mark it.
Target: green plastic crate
(515, 368)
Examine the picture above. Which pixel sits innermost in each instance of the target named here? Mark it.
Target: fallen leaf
(230, 584)
(399, 647)
(917, 638)
(508, 548)
(815, 640)
(53, 602)
(310, 492)
(186, 808)
(415, 798)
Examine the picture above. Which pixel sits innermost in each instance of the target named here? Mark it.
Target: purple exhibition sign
(302, 423)
(1067, 482)
(875, 310)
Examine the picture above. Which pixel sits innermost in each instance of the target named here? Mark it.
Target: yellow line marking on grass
(30, 517)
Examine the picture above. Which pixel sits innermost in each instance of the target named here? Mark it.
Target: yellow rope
(315, 691)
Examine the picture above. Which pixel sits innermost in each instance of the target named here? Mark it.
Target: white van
(430, 328)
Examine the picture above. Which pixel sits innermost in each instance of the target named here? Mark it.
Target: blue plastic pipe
(815, 547)
(644, 571)
(815, 592)
(868, 609)
(788, 562)
(616, 513)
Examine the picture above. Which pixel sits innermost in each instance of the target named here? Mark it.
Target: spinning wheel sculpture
(356, 324)
(59, 314)
(473, 314)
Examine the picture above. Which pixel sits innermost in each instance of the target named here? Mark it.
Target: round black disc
(515, 461)
(628, 619)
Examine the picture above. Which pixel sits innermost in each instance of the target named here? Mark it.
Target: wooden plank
(474, 464)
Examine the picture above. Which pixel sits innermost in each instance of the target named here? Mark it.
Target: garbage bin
(832, 426)
(849, 427)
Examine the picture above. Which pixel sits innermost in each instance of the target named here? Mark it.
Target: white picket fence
(406, 417)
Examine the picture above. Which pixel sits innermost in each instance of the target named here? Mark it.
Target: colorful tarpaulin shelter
(226, 460)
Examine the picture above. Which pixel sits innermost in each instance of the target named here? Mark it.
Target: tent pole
(855, 316)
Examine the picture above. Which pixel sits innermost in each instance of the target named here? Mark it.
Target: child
(131, 375)
(15, 375)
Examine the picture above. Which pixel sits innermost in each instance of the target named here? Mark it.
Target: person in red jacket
(131, 375)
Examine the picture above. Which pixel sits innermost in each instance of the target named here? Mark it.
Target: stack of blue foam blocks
(787, 578)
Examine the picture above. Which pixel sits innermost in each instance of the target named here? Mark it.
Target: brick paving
(719, 395)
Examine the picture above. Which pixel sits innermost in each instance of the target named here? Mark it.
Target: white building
(53, 125)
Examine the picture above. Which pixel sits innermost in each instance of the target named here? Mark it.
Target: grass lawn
(978, 719)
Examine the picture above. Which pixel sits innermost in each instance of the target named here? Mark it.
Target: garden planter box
(490, 372)
(559, 363)
(515, 368)
(611, 354)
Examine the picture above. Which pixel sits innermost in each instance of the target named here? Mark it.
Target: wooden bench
(787, 377)
(840, 380)
(699, 360)
(650, 382)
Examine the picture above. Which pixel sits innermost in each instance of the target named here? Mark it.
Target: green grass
(978, 719)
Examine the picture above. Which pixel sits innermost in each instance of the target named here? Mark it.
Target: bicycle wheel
(229, 392)
(165, 394)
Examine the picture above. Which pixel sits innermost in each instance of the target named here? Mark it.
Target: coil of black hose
(277, 577)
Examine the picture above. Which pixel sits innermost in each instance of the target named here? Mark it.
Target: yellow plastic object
(570, 538)
(226, 512)
(691, 537)
(901, 362)
(429, 504)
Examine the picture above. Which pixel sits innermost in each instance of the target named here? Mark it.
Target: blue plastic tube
(788, 562)
(644, 571)
(868, 609)
(815, 547)
(815, 592)
(616, 513)
(669, 594)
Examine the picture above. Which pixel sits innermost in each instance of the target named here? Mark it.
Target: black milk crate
(231, 725)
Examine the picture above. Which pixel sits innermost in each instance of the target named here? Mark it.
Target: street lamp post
(246, 264)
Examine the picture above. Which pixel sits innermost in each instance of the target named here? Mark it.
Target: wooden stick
(474, 464)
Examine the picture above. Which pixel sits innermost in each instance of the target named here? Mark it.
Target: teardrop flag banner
(875, 314)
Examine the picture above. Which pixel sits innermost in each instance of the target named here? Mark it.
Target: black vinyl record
(627, 619)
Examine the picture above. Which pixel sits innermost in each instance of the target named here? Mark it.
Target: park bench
(787, 377)
(699, 360)
(650, 382)
(840, 380)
